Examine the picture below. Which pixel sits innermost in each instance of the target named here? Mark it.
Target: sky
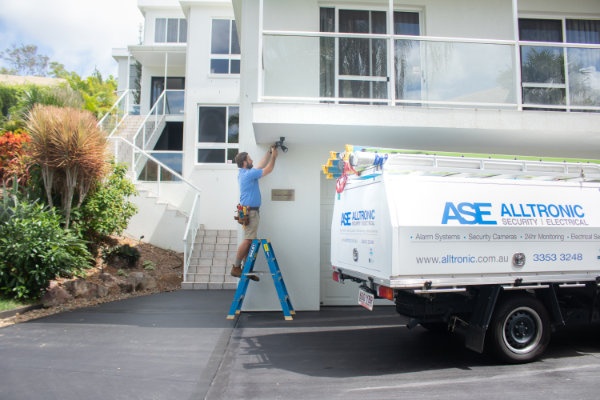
(80, 34)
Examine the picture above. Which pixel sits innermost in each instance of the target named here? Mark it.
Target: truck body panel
(404, 230)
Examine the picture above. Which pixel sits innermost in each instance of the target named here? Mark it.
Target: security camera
(279, 144)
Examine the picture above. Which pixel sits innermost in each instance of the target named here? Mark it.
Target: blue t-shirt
(249, 190)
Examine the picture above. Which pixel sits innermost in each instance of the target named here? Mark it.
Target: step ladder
(282, 293)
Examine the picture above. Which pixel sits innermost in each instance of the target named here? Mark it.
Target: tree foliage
(98, 94)
(9, 96)
(71, 150)
(13, 158)
(93, 93)
(20, 99)
(25, 60)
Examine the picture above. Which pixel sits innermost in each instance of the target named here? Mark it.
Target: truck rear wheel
(520, 329)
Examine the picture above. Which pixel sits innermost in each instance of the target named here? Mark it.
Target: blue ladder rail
(282, 293)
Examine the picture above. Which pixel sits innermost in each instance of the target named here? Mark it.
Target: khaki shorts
(251, 230)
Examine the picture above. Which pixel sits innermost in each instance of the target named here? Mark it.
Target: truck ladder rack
(371, 160)
(494, 168)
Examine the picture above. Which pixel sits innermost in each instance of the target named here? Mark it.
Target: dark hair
(240, 158)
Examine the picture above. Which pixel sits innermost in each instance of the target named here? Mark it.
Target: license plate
(366, 299)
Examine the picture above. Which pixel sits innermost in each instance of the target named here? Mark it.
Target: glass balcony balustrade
(429, 72)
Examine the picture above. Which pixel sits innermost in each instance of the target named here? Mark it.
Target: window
(224, 47)
(557, 75)
(170, 30)
(174, 95)
(360, 65)
(218, 134)
(135, 74)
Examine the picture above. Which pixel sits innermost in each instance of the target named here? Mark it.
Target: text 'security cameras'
(279, 144)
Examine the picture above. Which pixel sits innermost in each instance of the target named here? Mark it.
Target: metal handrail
(189, 237)
(193, 222)
(193, 214)
(116, 107)
(159, 163)
(153, 111)
(159, 110)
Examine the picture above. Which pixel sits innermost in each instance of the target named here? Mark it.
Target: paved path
(179, 345)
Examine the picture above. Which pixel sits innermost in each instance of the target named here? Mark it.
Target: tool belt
(242, 215)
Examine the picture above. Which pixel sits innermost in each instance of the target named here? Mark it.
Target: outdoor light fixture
(279, 144)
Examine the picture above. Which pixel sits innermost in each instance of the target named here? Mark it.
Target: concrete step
(209, 282)
(211, 259)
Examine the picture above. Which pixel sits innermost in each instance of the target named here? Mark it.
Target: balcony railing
(170, 102)
(125, 105)
(429, 71)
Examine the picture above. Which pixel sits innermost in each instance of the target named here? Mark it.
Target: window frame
(225, 145)
(230, 57)
(181, 30)
(564, 53)
(370, 79)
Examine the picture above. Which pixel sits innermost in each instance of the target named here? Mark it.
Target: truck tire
(520, 329)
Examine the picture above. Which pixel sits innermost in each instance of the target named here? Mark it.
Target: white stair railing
(189, 204)
(135, 153)
(111, 121)
(189, 237)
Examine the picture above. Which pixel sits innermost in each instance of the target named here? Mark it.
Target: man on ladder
(250, 201)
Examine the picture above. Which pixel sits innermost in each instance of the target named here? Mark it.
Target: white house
(516, 77)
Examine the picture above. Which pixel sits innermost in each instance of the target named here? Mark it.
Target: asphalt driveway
(180, 345)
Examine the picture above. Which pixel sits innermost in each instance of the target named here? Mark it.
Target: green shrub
(149, 265)
(129, 254)
(107, 209)
(34, 249)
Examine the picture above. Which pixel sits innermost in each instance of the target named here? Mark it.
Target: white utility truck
(500, 250)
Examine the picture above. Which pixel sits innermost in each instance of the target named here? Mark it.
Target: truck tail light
(385, 292)
(336, 276)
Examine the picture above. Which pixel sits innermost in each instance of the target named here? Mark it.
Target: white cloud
(77, 33)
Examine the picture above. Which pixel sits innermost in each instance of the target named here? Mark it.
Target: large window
(224, 47)
(218, 134)
(354, 67)
(557, 75)
(170, 30)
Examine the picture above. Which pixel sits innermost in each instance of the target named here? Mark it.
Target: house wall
(218, 182)
(292, 226)
(579, 8)
(123, 72)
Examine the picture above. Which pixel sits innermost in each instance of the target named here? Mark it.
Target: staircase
(212, 257)
(164, 225)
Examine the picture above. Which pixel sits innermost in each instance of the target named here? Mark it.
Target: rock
(81, 289)
(78, 288)
(55, 296)
(102, 291)
(107, 278)
(141, 281)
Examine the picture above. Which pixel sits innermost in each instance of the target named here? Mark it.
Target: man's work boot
(237, 272)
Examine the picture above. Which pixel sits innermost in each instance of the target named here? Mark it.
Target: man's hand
(273, 151)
